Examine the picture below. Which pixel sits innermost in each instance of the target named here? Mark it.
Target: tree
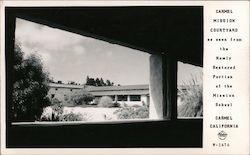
(102, 82)
(72, 82)
(87, 80)
(90, 81)
(51, 80)
(30, 87)
(98, 82)
(82, 97)
(108, 83)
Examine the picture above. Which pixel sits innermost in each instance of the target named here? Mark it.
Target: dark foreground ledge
(159, 134)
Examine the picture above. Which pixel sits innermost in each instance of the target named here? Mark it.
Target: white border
(156, 151)
(84, 150)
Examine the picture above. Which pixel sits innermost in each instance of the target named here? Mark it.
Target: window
(143, 67)
(103, 78)
(113, 97)
(135, 97)
(122, 97)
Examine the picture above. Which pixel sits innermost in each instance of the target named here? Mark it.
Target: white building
(62, 91)
(130, 94)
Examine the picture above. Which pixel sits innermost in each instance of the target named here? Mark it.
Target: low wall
(151, 134)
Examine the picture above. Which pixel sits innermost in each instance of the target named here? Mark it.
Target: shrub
(55, 101)
(66, 98)
(133, 112)
(145, 104)
(81, 97)
(52, 113)
(57, 111)
(47, 114)
(191, 100)
(96, 101)
(71, 117)
(116, 105)
(136, 106)
(105, 102)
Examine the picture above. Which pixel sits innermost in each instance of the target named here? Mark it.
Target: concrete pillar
(116, 98)
(163, 87)
(156, 88)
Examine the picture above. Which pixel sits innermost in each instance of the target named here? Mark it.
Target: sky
(71, 57)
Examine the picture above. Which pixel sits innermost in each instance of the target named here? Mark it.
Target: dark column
(10, 25)
(169, 64)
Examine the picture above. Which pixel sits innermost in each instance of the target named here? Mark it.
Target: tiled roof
(119, 90)
(127, 89)
(58, 85)
(104, 88)
(112, 88)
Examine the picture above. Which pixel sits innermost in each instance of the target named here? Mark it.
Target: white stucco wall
(60, 93)
(131, 103)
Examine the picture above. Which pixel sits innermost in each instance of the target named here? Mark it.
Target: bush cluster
(55, 101)
(107, 102)
(133, 112)
(81, 97)
(57, 111)
(71, 117)
(56, 114)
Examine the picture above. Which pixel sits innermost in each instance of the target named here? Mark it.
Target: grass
(190, 99)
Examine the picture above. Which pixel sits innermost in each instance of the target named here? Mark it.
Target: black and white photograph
(124, 77)
(91, 77)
